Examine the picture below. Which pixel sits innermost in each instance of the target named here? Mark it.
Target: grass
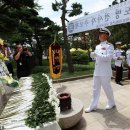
(79, 69)
(89, 70)
(75, 74)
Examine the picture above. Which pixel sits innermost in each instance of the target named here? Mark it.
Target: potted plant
(44, 111)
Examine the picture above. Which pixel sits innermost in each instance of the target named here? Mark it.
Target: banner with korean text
(55, 60)
(116, 14)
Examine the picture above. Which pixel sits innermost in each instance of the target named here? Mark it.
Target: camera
(25, 49)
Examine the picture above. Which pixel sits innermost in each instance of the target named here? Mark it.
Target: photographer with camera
(128, 60)
(22, 57)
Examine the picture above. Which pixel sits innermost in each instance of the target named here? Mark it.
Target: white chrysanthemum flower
(53, 97)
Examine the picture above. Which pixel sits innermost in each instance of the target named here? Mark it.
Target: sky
(90, 6)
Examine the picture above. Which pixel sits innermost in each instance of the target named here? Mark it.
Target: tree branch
(69, 10)
(67, 20)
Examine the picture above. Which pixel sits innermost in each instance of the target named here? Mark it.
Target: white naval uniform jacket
(118, 53)
(103, 56)
(128, 57)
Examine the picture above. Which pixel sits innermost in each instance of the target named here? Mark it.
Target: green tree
(44, 31)
(76, 10)
(120, 32)
(9, 20)
(20, 21)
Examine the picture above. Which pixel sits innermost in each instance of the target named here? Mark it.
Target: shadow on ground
(80, 125)
(116, 121)
(61, 89)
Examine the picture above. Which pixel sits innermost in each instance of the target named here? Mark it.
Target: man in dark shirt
(22, 58)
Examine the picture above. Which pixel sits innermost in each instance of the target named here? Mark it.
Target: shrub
(79, 56)
(45, 62)
(40, 69)
(45, 69)
(77, 67)
(13, 64)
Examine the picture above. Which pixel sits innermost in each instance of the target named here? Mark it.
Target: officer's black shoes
(119, 83)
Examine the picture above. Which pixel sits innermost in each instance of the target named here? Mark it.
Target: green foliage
(77, 67)
(16, 37)
(45, 62)
(11, 13)
(14, 84)
(45, 69)
(7, 24)
(76, 9)
(119, 32)
(19, 21)
(25, 29)
(41, 111)
(40, 69)
(56, 6)
(18, 3)
(79, 56)
(114, 2)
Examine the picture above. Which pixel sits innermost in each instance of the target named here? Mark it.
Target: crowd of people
(21, 55)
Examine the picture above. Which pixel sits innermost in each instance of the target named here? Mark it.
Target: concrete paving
(114, 119)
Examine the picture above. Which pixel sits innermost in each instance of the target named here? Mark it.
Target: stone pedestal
(48, 126)
(71, 117)
(51, 126)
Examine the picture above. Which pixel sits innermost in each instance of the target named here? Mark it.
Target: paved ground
(115, 119)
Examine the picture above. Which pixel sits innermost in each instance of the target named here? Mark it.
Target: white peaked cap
(118, 43)
(105, 30)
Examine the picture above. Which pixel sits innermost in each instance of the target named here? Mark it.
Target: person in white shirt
(119, 59)
(103, 72)
(128, 60)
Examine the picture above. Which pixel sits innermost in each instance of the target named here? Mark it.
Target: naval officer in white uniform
(119, 60)
(128, 60)
(102, 74)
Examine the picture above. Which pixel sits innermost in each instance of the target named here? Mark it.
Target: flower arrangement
(9, 81)
(45, 105)
(5, 77)
(2, 57)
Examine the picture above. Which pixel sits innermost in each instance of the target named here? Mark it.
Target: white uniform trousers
(103, 81)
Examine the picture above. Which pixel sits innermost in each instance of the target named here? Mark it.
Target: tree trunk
(128, 24)
(67, 47)
(39, 51)
(33, 57)
(30, 43)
